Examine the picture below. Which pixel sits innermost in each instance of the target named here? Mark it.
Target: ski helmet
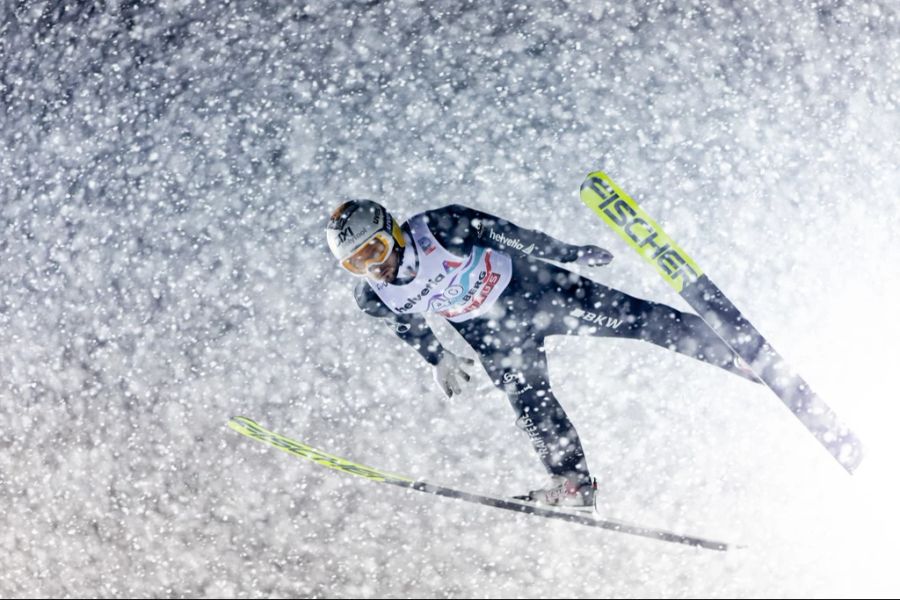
(362, 234)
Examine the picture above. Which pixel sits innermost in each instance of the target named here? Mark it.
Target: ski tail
(618, 210)
(254, 430)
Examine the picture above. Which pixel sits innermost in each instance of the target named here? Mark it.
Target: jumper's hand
(593, 256)
(448, 372)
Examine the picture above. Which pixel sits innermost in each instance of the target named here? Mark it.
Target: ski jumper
(489, 278)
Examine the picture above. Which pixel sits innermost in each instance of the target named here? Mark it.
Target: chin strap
(397, 233)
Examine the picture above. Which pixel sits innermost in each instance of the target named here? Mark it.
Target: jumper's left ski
(254, 430)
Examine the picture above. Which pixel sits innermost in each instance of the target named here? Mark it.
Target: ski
(626, 218)
(255, 431)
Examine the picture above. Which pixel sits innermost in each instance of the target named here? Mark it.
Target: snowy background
(165, 176)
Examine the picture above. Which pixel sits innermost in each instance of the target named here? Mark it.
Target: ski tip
(240, 424)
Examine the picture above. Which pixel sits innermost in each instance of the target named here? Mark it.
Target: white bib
(457, 288)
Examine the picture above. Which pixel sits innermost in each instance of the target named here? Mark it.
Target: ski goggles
(372, 253)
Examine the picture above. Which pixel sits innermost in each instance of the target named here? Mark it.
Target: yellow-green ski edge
(639, 231)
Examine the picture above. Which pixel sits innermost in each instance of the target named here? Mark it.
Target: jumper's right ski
(626, 218)
(254, 430)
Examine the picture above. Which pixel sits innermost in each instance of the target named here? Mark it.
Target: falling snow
(166, 174)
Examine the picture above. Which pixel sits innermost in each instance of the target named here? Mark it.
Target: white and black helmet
(355, 223)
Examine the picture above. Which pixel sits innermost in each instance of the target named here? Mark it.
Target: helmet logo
(344, 234)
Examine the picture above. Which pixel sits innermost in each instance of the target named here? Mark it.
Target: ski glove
(593, 256)
(448, 370)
